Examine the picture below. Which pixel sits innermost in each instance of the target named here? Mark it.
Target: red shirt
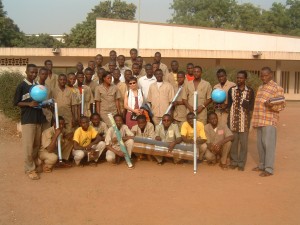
(189, 77)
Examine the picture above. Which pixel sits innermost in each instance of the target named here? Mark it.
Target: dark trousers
(239, 149)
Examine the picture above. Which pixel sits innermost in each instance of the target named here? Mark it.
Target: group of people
(146, 100)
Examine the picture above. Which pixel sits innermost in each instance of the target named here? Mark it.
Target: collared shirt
(189, 77)
(188, 131)
(160, 98)
(148, 131)
(262, 115)
(144, 84)
(51, 82)
(169, 135)
(122, 71)
(215, 135)
(204, 92)
(125, 131)
(101, 129)
(47, 136)
(107, 97)
(88, 99)
(228, 84)
(93, 84)
(180, 110)
(84, 137)
(171, 78)
(164, 68)
(240, 104)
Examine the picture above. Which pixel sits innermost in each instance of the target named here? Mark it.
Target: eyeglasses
(132, 83)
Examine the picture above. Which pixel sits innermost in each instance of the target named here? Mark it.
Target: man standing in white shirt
(145, 81)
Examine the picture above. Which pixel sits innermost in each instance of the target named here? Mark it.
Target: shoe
(265, 174)
(257, 169)
(33, 175)
(233, 167)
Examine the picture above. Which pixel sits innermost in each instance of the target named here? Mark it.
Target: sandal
(257, 169)
(265, 174)
(33, 175)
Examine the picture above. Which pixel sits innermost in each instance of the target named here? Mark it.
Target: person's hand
(158, 138)
(175, 103)
(120, 153)
(33, 104)
(69, 136)
(57, 132)
(268, 104)
(171, 146)
(191, 109)
(199, 109)
(114, 140)
(198, 141)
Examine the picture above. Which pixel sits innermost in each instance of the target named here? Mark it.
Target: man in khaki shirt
(162, 66)
(133, 55)
(122, 87)
(179, 113)
(204, 94)
(225, 85)
(160, 96)
(65, 99)
(112, 58)
(51, 80)
(219, 139)
(172, 76)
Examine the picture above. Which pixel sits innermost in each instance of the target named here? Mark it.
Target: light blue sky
(59, 16)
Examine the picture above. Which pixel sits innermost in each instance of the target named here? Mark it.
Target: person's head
(149, 70)
(167, 120)
(189, 69)
(157, 57)
(212, 118)
(88, 73)
(61, 122)
(119, 120)
(112, 65)
(135, 68)
(48, 64)
(121, 60)
(222, 76)
(127, 75)
(62, 80)
(80, 78)
(99, 60)
(71, 79)
(100, 73)
(133, 54)
(155, 66)
(79, 66)
(141, 121)
(116, 74)
(84, 123)
(31, 72)
(92, 64)
(197, 72)
(241, 78)
(190, 118)
(140, 61)
(43, 74)
(107, 78)
(158, 75)
(133, 83)
(174, 66)
(180, 77)
(266, 75)
(95, 119)
(113, 55)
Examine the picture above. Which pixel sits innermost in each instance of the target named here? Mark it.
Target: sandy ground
(151, 194)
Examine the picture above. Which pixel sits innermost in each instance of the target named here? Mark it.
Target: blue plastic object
(218, 95)
(39, 93)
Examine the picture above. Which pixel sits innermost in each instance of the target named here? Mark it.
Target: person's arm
(98, 107)
(119, 153)
(126, 106)
(187, 140)
(118, 106)
(172, 144)
(52, 146)
(187, 105)
(128, 134)
(96, 141)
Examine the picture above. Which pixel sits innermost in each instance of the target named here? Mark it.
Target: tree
(84, 34)
(10, 34)
(207, 13)
(293, 11)
(41, 41)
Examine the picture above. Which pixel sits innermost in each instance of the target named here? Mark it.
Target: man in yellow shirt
(88, 142)
(187, 134)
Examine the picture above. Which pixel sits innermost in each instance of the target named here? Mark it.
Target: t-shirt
(84, 138)
(29, 115)
(188, 131)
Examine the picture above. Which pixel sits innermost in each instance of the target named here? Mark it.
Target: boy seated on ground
(143, 129)
(187, 134)
(114, 152)
(87, 142)
(99, 125)
(167, 132)
(48, 150)
(219, 139)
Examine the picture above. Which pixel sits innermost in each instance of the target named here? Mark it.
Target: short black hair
(118, 115)
(30, 65)
(181, 73)
(84, 118)
(189, 64)
(199, 67)
(266, 68)
(88, 69)
(133, 50)
(43, 69)
(221, 71)
(141, 117)
(46, 61)
(244, 72)
(62, 75)
(95, 114)
(211, 113)
(190, 114)
(167, 115)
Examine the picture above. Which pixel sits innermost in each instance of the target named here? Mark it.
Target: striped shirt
(262, 115)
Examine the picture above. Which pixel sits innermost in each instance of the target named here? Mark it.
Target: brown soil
(151, 194)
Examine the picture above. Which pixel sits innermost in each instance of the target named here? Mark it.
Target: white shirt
(144, 84)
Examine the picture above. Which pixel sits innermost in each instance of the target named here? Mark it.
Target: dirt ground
(151, 194)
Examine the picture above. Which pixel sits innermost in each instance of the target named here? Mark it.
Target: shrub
(9, 81)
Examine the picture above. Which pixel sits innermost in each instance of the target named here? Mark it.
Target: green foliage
(279, 19)
(41, 41)
(8, 84)
(84, 34)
